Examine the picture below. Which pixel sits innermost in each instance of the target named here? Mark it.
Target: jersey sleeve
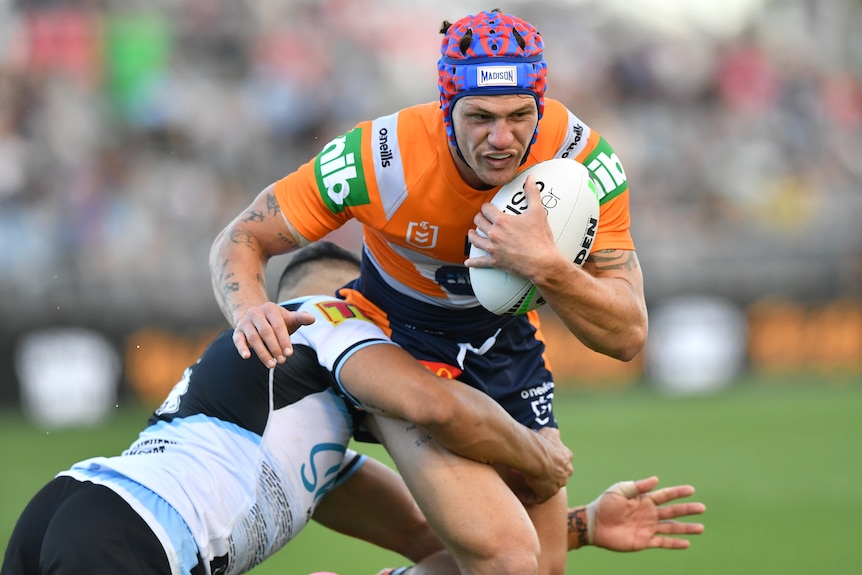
(614, 225)
(297, 197)
(339, 330)
(570, 137)
(321, 195)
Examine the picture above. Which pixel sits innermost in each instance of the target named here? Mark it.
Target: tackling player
(239, 456)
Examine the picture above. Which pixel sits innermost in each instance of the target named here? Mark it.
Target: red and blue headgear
(490, 53)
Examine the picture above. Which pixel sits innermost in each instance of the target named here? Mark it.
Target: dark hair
(322, 250)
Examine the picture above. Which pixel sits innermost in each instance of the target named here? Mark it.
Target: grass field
(778, 467)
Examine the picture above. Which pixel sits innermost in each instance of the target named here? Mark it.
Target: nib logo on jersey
(607, 172)
(339, 174)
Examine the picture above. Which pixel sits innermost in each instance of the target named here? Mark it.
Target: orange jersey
(395, 175)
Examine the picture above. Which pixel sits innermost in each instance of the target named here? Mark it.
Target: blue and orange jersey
(395, 175)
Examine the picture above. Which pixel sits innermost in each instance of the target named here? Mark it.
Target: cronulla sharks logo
(339, 174)
(317, 480)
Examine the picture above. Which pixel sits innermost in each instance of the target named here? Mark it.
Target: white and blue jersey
(233, 463)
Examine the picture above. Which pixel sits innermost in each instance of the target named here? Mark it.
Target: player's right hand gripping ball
(571, 201)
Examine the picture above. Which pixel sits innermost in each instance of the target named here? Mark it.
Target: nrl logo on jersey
(422, 235)
(339, 174)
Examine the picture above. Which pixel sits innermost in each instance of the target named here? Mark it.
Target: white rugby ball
(571, 201)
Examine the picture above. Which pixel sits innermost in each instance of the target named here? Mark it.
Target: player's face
(493, 133)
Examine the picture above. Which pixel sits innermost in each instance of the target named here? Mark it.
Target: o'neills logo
(496, 76)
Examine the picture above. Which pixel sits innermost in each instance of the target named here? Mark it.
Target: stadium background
(130, 132)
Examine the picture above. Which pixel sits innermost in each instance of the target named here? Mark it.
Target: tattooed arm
(602, 304)
(238, 259)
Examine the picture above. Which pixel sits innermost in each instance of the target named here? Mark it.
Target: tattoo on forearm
(223, 274)
(227, 288)
(223, 280)
(226, 281)
(605, 260)
(578, 524)
(420, 441)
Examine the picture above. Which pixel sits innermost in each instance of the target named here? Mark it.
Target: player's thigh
(549, 519)
(466, 502)
(95, 531)
(375, 490)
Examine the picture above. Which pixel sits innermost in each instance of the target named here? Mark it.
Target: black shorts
(501, 356)
(73, 527)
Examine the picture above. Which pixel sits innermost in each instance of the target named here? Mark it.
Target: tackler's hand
(629, 516)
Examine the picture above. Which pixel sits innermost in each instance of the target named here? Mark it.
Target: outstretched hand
(629, 516)
(266, 329)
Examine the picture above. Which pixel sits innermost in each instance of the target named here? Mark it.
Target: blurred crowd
(130, 132)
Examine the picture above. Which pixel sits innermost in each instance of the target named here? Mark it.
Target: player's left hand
(629, 516)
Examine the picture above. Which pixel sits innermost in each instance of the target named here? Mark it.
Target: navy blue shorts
(499, 355)
(510, 368)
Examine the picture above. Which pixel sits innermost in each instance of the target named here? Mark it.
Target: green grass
(778, 467)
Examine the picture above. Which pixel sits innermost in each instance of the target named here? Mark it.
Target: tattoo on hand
(578, 524)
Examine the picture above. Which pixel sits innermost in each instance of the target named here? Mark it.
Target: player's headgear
(489, 53)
